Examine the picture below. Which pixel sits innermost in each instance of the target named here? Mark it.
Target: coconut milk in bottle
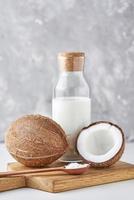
(71, 104)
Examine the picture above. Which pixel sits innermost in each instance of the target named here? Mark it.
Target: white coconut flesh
(100, 142)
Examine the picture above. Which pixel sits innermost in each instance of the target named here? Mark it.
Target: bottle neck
(71, 84)
(71, 73)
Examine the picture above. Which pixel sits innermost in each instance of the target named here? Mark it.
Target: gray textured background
(32, 32)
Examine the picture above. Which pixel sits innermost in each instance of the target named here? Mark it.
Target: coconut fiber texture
(35, 140)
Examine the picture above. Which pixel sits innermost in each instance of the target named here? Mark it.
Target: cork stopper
(71, 61)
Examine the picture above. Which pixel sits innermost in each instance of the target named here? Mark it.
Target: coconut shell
(111, 161)
(35, 140)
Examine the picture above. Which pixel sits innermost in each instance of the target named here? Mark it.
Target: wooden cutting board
(59, 181)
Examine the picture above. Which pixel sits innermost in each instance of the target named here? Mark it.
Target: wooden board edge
(40, 184)
(61, 186)
(10, 183)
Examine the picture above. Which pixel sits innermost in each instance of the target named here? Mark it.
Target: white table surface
(121, 190)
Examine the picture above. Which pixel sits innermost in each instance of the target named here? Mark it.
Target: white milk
(72, 113)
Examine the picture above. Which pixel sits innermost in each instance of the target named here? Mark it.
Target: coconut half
(101, 143)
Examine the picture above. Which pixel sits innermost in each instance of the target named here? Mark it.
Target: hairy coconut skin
(35, 140)
(111, 161)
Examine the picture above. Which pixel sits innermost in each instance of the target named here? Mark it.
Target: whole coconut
(35, 140)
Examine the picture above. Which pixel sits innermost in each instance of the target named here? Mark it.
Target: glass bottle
(71, 104)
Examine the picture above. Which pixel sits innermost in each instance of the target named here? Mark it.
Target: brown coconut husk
(35, 140)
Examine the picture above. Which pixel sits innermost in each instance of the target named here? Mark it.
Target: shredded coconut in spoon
(75, 165)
